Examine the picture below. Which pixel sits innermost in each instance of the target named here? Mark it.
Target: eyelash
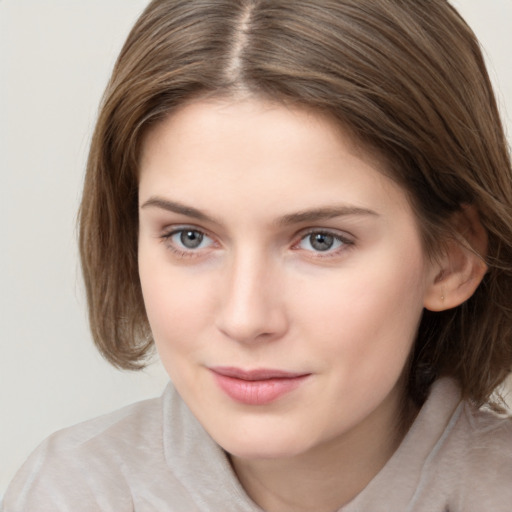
(346, 243)
(181, 253)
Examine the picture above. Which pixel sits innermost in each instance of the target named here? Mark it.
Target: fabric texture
(155, 456)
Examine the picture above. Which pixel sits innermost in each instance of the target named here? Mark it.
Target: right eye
(187, 240)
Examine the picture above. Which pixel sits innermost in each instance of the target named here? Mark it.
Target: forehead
(212, 152)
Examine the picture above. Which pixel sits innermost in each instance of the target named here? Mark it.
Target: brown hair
(407, 77)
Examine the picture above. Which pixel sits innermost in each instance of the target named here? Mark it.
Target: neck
(330, 475)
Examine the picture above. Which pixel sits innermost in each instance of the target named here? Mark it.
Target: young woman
(307, 207)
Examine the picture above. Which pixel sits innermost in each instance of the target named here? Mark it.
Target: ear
(459, 270)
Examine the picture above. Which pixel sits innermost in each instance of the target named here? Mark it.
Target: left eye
(190, 239)
(321, 242)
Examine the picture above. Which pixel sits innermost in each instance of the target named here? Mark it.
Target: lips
(256, 387)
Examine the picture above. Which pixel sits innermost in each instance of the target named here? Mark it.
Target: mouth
(257, 387)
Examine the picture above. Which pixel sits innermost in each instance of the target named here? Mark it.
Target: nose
(252, 304)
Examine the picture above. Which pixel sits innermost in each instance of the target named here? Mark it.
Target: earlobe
(461, 268)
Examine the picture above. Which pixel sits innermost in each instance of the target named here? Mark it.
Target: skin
(256, 293)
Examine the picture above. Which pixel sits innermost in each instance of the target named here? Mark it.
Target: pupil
(322, 242)
(191, 239)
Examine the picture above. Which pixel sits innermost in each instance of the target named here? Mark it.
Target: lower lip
(258, 392)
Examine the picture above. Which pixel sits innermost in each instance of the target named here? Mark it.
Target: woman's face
(283, 275)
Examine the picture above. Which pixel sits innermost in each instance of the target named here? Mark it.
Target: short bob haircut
(405, 77)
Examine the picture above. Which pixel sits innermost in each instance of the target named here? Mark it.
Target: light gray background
(55, 58)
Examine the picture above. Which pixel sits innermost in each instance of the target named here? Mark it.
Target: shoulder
(153, 455)
(74, 466)
(133, 428)
(485, 466)
(489, 438)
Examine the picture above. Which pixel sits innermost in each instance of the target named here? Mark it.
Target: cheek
(368, 315)
(164, 295)
(178, 301)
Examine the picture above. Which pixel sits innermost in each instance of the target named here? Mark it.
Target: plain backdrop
(55, 59)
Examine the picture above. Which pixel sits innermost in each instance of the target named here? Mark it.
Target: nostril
(252, 326)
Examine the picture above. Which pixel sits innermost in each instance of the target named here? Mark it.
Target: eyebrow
(175, 207)
(310, 215)
(319, 214)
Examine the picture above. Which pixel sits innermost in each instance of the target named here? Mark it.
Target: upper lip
(256, 374)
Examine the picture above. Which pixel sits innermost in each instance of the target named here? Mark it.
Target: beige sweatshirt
(155, 456)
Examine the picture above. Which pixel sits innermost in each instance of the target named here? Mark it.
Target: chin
(258, 451)
(260, 443)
